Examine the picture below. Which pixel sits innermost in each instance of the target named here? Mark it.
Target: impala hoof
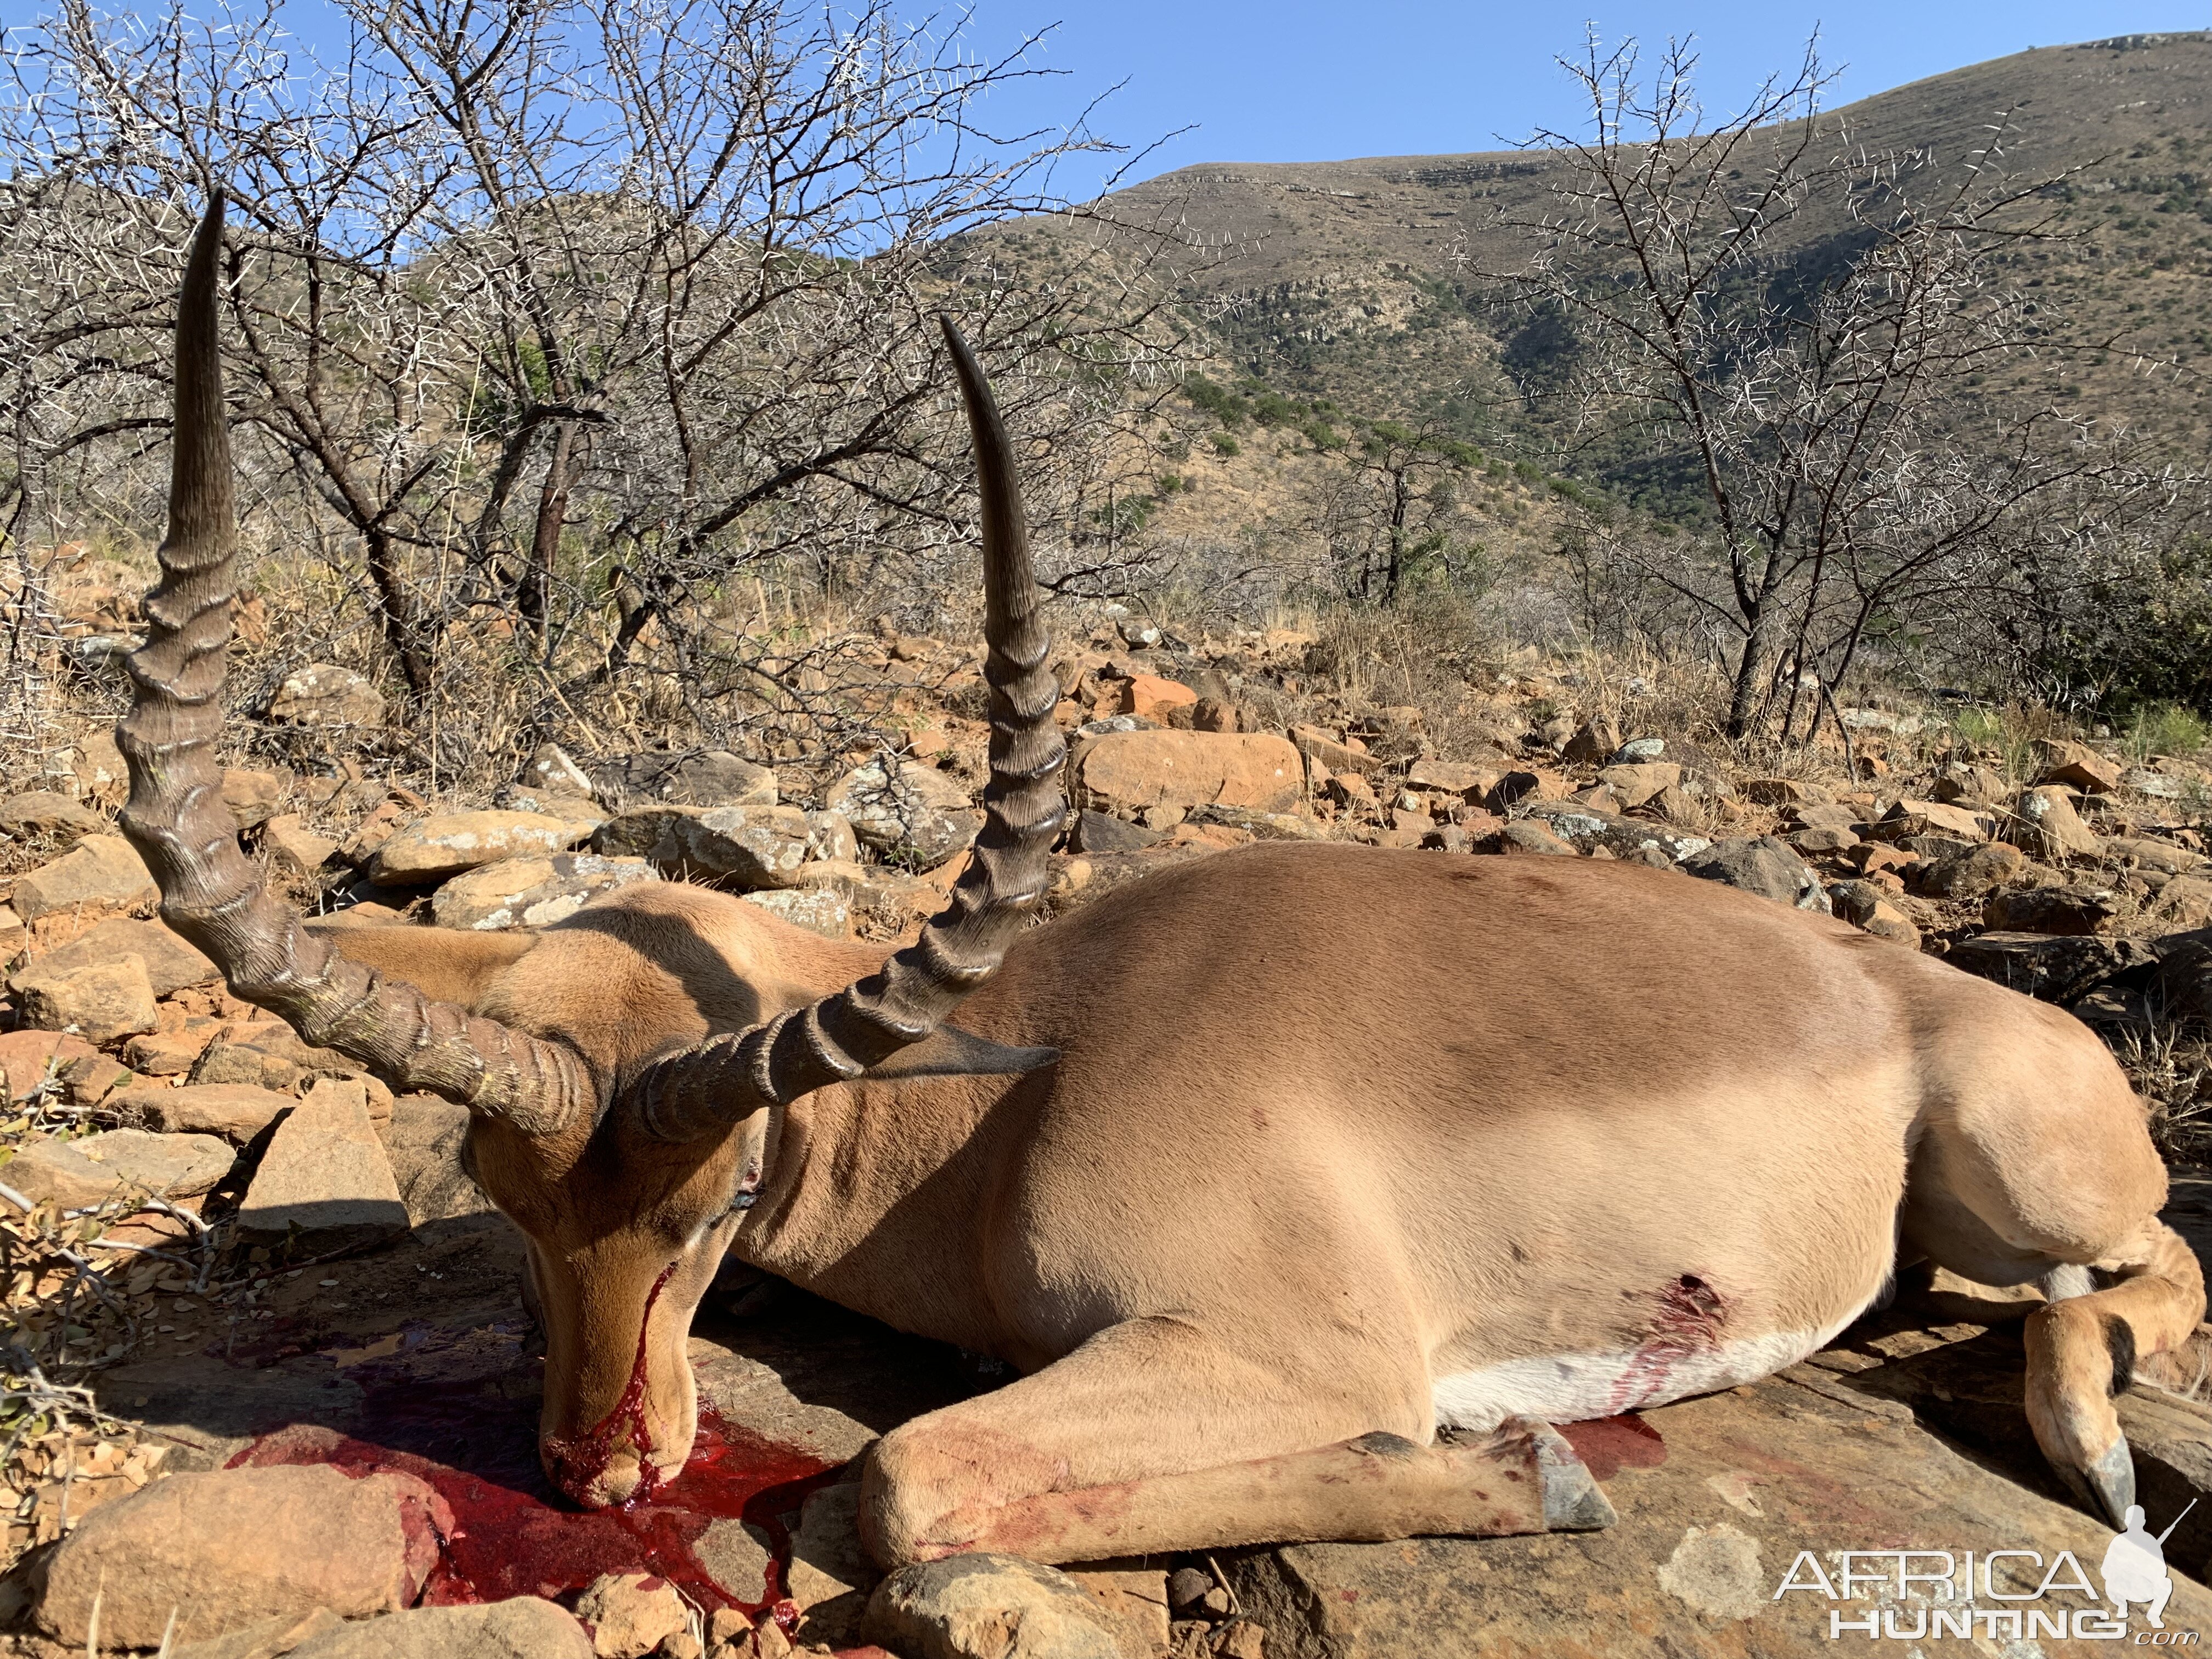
(2106, 1485)
(1573, 1500)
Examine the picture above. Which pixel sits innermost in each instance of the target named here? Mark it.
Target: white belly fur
(1574, 1387)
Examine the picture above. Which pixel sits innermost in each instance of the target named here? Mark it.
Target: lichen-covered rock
(445, 844)
(915, 813)
(326, 695)
(531, 893)
(983, 1606)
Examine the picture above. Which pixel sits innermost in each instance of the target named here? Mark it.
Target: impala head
(625, 1153)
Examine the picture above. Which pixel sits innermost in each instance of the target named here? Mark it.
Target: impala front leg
(1154, 1437)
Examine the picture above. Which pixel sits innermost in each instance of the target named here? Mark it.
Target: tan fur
(1330, 1128)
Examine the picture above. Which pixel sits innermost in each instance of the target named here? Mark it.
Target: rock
(251, 796)
(30, 1058)
(736, 1556)
(2159, 785)
(1150, 697)
(550, 767)
(268, 1054)
(1585, 828)
(2049, 829)
(76, 1174)
(1908, 817)
(1638, 751)
(98, 769)
(228, 1549)
(1780, 792)
(1728, 1490)
(1261, 826)
(523, 1627)
(2051, 967)
(823, 910)
(1215, 714)
(101, 876)
(1526, 836)
(1517, 787)
(1637, 784)
(1124, 772)
(984, 1606)
(713, 778)
(1136, 634)
(830, 1573)
(325, 1178)
(1095, 832)
(651, 832)
(172, 964)
(2184, 901)
(2146, 853)
(1555, 733)
(2062, 761)
(1962, 784)
(269, 1638)
(830, 840)
(915, 813)
(1821, 815)
(2049, 910)
(531, 893)
(431, 850)
(549, 804)
(1591, 744)
(1333, 754)
(1813, 844)
(292, 846)
(1867, 906)
(630, 1614)
(100, 1003)
(325, 694)
(752, 848)
(423, 1141)
(44, 812)
(1973, 873)
(1760, 865)
(1443, 777)
(235, 1111)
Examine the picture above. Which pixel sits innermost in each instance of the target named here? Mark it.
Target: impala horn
(903, 1006)
(177, 819)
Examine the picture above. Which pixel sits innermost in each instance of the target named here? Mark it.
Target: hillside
(1356, 281)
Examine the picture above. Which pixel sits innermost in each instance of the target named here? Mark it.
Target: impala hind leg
(2030, 1171)
(1154, 1437)
(2081, 1352)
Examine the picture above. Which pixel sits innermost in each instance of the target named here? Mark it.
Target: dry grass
(2171, 1066)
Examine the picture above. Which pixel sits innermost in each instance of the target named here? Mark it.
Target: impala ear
(950, 1052)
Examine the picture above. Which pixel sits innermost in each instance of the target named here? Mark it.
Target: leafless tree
(1801, 332)
(566, 317)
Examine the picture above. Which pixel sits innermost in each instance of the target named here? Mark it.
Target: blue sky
(1295, 81)
(1298, 80)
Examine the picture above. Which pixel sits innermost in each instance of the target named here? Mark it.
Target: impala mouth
(614, 1461)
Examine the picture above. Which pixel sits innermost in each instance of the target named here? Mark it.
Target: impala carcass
(1288, 1179)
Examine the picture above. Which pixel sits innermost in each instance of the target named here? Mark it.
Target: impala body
(1307, 1185)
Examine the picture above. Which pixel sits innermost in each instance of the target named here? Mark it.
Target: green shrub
(1225, 445)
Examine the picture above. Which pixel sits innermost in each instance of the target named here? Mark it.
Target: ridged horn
(176, 817)
(703, 1090)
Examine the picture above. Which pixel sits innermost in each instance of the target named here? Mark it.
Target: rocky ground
(271, 1383)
